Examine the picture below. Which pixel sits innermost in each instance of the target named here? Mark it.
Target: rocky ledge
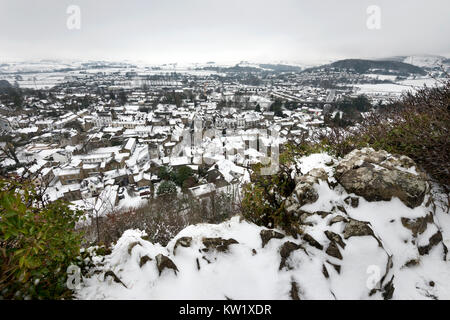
(371, 229)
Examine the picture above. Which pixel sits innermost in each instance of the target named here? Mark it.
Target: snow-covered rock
(377, 175)
(352, 246)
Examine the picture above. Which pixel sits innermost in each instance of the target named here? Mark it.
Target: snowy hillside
(372, 228)
(425, 61)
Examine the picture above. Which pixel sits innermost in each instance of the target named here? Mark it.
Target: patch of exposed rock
(164, 262)
(377, 175)
(304, 191)
(356, 228)
(267, 235)
(183, 242)
(285, 252)
(345, 235)
(217, 244)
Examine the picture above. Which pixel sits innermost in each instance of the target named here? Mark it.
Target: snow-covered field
(395, 88)
(381, 76)
(45, 80)
(419, 82)
(382, 88)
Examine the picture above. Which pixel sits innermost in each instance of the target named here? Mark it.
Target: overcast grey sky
(217, 30)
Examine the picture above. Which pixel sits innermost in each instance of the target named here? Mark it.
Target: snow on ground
(430, 82)
(247, 269)
(382, 88)
(316, 160)
(239, 277)
(385, 219)
(242, 274)
(397, 87)
(130, 202)
(427, 61)
(381, 76)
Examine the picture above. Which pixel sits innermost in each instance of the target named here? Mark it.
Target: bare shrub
(165, 216)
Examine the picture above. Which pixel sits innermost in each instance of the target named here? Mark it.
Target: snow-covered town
(224, 150)
(104, 150)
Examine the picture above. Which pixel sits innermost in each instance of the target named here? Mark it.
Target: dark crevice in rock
(353, 201)
(217, 244)
(334, 237)
(184, 242)
(267, 235)
(286, 250)
(388, 290)
(418, 225)
(434, 240)
(294, 291)
(333, 251)
(131, 246)
(411, 263)
(312, 242)
(335, 266)
(206, 259)
(337, 219)
(115, 278)
(163, 262)
(325, 271)
(342, 209)
(144, 260)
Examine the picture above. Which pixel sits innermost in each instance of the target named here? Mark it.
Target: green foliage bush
(37, 244)
(277, 107)
(166, 188)
(182, 173)
(351, 109)
(164, 173)
(263, 198)
(178, 176)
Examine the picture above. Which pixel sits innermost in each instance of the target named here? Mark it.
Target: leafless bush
(164, 217)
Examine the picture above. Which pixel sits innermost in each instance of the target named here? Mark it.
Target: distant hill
(5, 86)
(394, 58)
(423, 61)
(234, 69)
(281, 67)
(246, 67)
(373, 66)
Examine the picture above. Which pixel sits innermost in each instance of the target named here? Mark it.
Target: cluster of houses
(103, 155)
(122, 148)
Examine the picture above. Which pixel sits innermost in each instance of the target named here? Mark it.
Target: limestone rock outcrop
(370, 229)
(377, 175)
